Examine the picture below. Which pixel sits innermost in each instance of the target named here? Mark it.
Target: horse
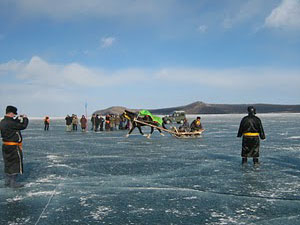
(131, 116)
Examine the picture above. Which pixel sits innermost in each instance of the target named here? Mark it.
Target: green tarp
(154, 118)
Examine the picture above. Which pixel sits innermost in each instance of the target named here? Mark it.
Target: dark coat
(10, 129)
(250, 145)
(12, 154)
(83, 122)
(68, 120)
(195, 126)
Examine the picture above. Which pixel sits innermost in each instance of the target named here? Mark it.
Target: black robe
(250, 145)
(12, 154)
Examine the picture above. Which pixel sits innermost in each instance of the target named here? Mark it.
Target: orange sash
(13, 143)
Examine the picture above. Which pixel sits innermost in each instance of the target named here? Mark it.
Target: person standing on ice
(252, 131)
(12, 145)
(97, 122)
(74, 122)
(93, 118)
(83, 123)
(46, 123)
(68, 123)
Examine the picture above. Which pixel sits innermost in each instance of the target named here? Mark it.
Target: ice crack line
(49, 200)
(213, 192)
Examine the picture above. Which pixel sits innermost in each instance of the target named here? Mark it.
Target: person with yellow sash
(252, 131)
(12, 145)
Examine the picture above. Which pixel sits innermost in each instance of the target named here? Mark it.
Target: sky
(57, 55)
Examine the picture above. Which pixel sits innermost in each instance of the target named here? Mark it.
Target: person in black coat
(93, 121)
(196, 125)
(68, 122)
(97, 122)
(101, 123)
(252, 131)
(12, 145)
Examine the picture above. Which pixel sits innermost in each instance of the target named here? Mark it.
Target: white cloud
(232, 79)
(202, 28)
(38, 71)
(74, 9)
(11, 66)
(286, 15)
(242, 13)
(41, 86)
(107, 42)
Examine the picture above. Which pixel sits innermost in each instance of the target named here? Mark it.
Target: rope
(49, 200)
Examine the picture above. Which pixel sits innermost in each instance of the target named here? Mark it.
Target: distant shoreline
(206, 108)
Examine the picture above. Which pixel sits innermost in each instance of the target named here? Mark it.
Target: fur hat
(251, 110)
(11, 109)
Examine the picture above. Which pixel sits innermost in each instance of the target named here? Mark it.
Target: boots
(255, 161)
(244, 160)
(13, 182)
(6, 180)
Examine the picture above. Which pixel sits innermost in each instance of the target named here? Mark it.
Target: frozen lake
(105, 178)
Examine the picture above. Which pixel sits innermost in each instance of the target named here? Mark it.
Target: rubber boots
(244, 161)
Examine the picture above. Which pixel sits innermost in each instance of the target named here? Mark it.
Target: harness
(127, 117)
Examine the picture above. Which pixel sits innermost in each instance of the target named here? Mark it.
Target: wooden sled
(175, 132)
(185, 134)
(194, 134)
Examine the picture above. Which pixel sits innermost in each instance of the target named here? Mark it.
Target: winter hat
(11, 109)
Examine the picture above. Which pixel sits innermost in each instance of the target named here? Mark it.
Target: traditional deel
(251, 129)
(12, 144)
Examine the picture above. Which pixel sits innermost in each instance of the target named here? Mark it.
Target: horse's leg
(140, 129)
(130, 131)
(162, 134)
(151, 132)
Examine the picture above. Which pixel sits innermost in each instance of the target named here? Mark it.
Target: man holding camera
(10, 128)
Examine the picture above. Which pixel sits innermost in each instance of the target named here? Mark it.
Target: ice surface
(105, 178)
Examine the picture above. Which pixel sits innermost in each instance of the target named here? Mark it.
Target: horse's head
(129, 115)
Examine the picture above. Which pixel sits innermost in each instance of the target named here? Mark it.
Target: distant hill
(205, 108)
(113, 110)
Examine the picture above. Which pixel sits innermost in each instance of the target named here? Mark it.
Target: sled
(194, 134)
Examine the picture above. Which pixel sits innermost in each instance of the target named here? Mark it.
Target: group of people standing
(73, 121)
(109, 123)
